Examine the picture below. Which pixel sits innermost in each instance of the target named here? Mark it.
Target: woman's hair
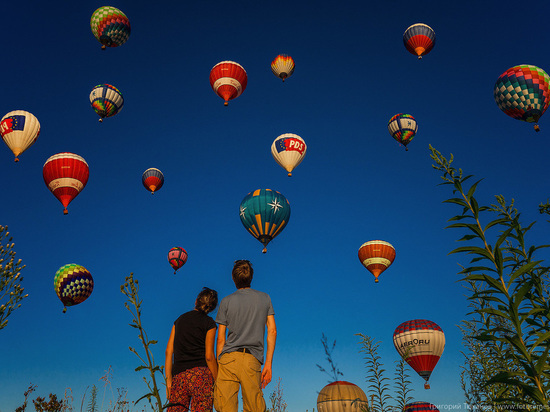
(207, 300)
(242, 274)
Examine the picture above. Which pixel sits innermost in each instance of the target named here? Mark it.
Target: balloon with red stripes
(420, 407)
(228, 79)
(65, 174)
(419, 39)
(376, 256)
(420, 342)
(152, 179)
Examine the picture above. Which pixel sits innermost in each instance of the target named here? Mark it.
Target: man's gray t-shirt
(245, 313)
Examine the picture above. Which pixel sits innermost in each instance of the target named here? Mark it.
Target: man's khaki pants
(238, 369)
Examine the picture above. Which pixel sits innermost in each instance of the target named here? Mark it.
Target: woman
(190, 365)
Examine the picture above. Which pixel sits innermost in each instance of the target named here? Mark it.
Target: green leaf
(139, 368)
(543, 338)
(524, 269)
(457, 201)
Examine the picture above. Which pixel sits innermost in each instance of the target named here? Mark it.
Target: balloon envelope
(376, 256)
(282, 66)
(19, 130)
(420, 407)
(106, 100)
(419, 39)
(110, 26)
(228, 79)
(342, 396)
(288, 150)
(403, 128)
(177, 256)
(65, 174)
(420, 342)
(522, 92)
(73, 284)
(264, 213)
(152, 179)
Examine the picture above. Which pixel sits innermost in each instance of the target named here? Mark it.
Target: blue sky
(355, 184)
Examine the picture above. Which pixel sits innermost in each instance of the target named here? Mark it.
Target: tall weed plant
(507, 337)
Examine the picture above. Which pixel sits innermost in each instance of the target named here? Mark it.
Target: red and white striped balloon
(65, 174)
(376, 256)
(420, 342)
(228, 79)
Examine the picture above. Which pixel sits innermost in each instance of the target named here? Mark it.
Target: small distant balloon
(420, 342)
(283, 66)
(152, 179)
(228, 79)
(65, 174)
(264, 213)
(73, 284)
(177, 256)
(376, 256)
(288, 150)
(419, 39)
(110, 26)
(342, 396)
(403, 128)
(420, 407)
(523, 93)
(106, 100)
(19, 130)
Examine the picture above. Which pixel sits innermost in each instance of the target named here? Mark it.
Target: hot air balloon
(522, 92)
(73, 284)
(177, 256)
(403, 128)
(282, 66)
(228, 79)
(19, 129)
(376, 256)
(264, 213)
(420, 342)
(288, 150)
(420, 407)
(65, 174)
(152, 179)
(110, 26)
(419, 39)
(106, 100)
(342, 396)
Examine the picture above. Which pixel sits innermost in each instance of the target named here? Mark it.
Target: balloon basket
(264, 250)
(426, 385)
(289, 174)
(65, 212)
(101, 120)
(226, 103)
(16, 159)
(103, 47)
(537, 128)
(64, 310)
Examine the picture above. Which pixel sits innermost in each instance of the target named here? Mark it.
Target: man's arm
(271, 338)
(221, 340)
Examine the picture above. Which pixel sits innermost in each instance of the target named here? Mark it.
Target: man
(243, 316)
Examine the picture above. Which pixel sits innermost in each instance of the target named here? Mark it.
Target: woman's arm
(168, 361)
(209, 353)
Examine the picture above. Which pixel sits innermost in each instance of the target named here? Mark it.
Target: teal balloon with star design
(264, 213)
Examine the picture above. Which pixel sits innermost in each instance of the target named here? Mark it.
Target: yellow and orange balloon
(376, 256)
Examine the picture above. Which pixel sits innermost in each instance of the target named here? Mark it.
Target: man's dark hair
(207, 300)
(242, 274)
